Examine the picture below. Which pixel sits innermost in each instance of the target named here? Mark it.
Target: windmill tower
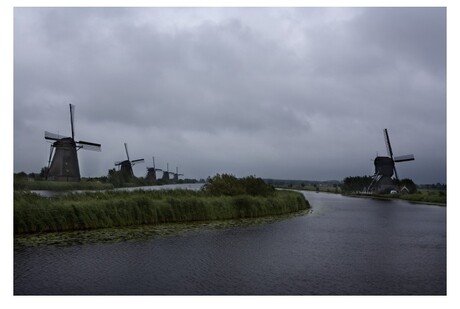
(385, 168)
(152, 172)
(176, 175)
(126, 166)
(63, 159)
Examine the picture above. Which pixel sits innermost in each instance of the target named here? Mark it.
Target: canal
(344, 246)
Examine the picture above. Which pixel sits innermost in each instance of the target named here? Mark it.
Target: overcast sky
(291, 93)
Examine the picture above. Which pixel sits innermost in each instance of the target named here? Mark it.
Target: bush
(231, 186)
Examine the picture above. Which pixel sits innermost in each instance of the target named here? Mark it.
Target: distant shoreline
(416, 198)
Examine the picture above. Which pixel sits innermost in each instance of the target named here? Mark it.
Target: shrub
(231, 186)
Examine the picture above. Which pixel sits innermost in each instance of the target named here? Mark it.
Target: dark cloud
(281, 93)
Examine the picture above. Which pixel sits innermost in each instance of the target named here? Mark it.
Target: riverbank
(73, 212)
(417, 198)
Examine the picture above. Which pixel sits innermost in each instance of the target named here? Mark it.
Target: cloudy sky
(291, 93)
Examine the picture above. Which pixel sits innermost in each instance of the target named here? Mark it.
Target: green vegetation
(73, 212)
(356, 184)
(230, 185)
(426, 196)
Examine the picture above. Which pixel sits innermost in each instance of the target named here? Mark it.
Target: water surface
(345, 246)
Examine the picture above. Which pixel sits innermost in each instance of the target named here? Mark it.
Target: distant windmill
(176, 175)
(385, 167)
(126, 166)
(166, 173)
(64, 164)
(152, 172)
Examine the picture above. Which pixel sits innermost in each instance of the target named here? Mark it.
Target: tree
(44, 172)
(114, 177)
(356, 183)
(409, 184)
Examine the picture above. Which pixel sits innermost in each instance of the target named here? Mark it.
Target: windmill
(176, 175)
(152, 172)
(385, 168)
(166, 173)
(126, 166)
(63, 160)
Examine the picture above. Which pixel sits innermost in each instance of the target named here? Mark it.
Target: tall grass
(33, 213)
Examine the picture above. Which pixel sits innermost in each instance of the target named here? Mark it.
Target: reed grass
(36, 214)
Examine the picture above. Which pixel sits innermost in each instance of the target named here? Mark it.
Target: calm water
(345, 246)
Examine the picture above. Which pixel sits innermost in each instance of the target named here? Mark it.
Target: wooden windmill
(385, 168)
(63, 159)
(126, 166)
(166, 173)
(152, 172)
(176, 175)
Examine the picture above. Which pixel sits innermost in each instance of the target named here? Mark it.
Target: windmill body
(64, 166)
(63, 163)
(126, 169)
(385, 168)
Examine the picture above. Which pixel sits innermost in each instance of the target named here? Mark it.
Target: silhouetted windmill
(126, 166)
(152, 172)
(176, 175)
(385, 167)
(64, 164)
(166, 173)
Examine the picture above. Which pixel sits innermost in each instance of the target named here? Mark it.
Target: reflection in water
(345, 246)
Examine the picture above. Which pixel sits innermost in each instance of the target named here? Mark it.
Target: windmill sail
(89, 146)
(387, 143)
(53, 136)
(404, 158)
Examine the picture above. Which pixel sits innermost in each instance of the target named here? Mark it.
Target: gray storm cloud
(300, 93)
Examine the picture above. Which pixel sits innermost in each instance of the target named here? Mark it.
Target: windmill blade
(396, 174)
(404, 158)
(158, 169)
(49, 162)
(118, 163)
(72, 114)
(137, 161)
(53, 136)
(387, 142)
(89, 146)
(126, 149)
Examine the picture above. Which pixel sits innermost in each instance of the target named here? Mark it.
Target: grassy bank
(34, 214)
(423, 197)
